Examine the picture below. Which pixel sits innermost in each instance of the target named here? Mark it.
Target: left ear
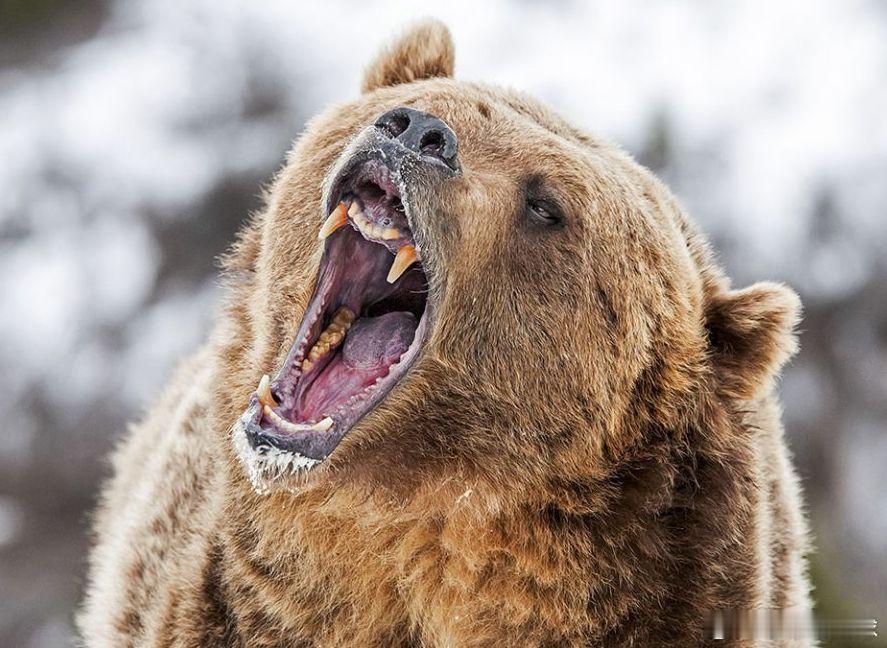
(424, 51)
(751, 332)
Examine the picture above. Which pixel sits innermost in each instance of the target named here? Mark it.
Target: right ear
(751, 333)
(424, 51)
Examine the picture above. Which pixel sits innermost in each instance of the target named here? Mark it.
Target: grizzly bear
(477, 381)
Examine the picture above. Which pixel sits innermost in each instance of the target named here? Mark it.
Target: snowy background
(135, 135)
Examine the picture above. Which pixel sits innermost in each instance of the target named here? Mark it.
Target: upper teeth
(371, 230)
(334, 221)
(406, 256)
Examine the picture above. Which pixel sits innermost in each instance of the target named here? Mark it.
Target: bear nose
(421, 133)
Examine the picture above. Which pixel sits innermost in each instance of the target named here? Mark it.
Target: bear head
(452, 286)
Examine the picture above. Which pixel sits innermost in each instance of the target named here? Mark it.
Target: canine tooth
(263, 391)
(324, 425)
(391, 233)
(270, 413)
(334, 221)
(406, 256)
(354, 211)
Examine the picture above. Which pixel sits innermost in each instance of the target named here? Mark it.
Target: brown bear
(478, 381)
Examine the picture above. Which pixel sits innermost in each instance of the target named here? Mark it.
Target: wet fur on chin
(596, 458)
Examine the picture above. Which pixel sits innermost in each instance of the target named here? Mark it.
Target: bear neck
(366, 571)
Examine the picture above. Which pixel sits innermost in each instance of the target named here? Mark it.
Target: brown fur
(588, 451)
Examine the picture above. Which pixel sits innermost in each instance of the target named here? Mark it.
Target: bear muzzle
(371, 309)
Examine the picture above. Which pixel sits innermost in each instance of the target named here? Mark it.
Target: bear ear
(751, 333)
(424, 51)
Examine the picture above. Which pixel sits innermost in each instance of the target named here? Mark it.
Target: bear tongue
(372, 345)
(376, 342)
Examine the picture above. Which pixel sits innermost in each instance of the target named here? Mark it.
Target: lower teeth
(320, 426)
(331, 337)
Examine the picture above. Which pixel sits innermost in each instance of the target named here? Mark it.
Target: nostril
(432, 143)
(419, 133)
(394, 125)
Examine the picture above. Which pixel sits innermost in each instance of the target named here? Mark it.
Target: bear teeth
(337, 218)
(406, 256)
(330, 338)
(369, 230)
(294, 428)
(263, 391)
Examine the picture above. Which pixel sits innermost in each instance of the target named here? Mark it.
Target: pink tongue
(375, 342)
(371, 346)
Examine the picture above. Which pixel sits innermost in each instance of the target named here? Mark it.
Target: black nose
(425, 134)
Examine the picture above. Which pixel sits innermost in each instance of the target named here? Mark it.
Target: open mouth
(363, 327)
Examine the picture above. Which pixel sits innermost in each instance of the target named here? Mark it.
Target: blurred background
(135, 136)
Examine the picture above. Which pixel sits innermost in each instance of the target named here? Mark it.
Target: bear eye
(544, 212)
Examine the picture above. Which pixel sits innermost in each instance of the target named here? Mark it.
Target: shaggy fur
(587, 453)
